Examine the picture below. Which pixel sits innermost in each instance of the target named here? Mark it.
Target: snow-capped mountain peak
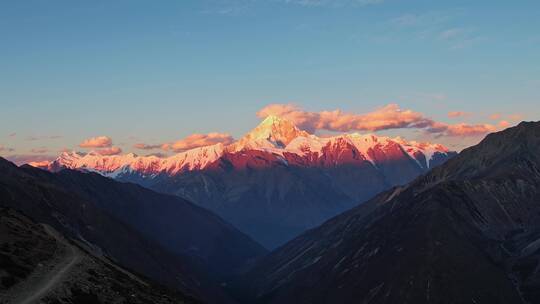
(272, 132)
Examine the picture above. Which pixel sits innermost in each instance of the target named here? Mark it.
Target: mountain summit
(272, 132)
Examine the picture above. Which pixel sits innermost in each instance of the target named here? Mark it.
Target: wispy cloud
(41, 150)
(515, 117)
(109, 151)
(6, 149)
(495, 116)
(438, 27)
(458, 38)
(198, 140)
(433, 96)
(387, 117)
(40, 137)
(508, 117)
(504, 124)
(332, 3)
(457, 114)
(242, 7)
(96, 142)
(234, 9)
(426, 19)
(452, 33)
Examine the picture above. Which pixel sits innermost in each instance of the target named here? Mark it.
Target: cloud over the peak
(387, 117)
(109, 151)
(198, 140)
(97, 142)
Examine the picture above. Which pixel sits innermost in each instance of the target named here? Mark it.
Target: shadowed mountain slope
(38, 264)
(467, 232)
(164, 237)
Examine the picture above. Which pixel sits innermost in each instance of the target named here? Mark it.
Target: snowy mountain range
(274, 135)
(277, 180)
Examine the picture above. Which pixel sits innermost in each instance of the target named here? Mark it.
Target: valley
(275, 182)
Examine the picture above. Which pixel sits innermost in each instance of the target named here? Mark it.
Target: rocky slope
(162, 236)
(467, 232)
(276, 181)
(38, 264)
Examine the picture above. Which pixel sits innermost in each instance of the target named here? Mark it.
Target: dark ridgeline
(163, 237)
(467, 232)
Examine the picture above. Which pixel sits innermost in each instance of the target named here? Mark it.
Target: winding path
(42, 283)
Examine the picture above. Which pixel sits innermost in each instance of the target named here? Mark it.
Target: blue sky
(157, 71)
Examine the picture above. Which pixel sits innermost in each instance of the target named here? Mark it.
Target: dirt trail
(42, 280)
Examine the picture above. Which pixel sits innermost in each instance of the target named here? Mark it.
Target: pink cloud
(495, 116)
(507, 117)
(22, 159)
(504, 124)
(456, 114)
(388, 117)
(97, 142)
(515, 117)
(198, 140)
(463, 129)
(143, 146)
(109, 151)
(13, 134)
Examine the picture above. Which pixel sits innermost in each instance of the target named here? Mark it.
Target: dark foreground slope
(37, 263)
(160, 236)
(467, 232)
